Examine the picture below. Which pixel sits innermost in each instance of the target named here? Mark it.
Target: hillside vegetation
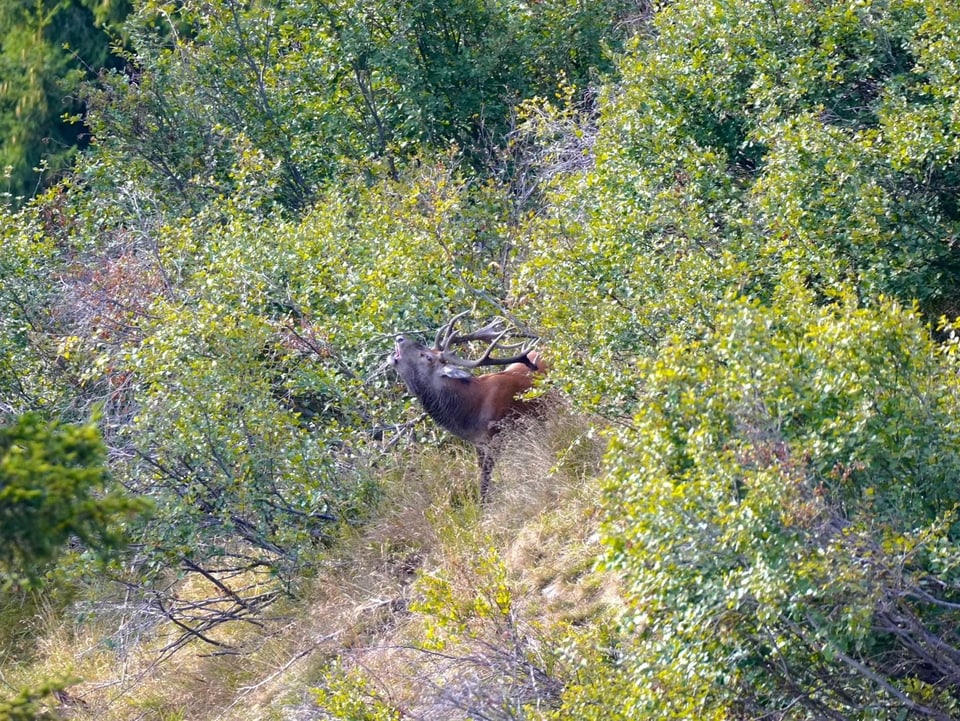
(733, 225)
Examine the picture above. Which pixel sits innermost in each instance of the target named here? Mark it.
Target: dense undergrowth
(434, 607)
(733, 225)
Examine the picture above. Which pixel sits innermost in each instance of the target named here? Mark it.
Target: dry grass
(541, 520)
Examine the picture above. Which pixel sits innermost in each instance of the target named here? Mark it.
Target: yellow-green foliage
(773, 487)
(737, 253)
(346, 696)
(451, 614)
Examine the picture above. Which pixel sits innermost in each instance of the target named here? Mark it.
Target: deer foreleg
(485, 459)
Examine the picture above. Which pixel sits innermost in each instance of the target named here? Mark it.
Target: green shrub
(783, 511)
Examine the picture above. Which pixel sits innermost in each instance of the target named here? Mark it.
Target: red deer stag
(476, 408)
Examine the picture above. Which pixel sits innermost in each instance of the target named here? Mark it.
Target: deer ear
(450, 371)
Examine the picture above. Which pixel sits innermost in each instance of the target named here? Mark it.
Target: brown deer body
(475, 408)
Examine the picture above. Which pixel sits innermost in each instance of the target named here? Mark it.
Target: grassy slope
(360, 610)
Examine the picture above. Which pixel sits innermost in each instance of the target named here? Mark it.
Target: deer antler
(445, 336)
(492, 333)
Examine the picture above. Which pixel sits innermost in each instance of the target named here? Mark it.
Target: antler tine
(495, 329)
(486, 354)
(445, 336)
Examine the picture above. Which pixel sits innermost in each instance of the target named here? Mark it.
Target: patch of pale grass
(543, 466)
(130, 682)
(546, 510)
(541, 520)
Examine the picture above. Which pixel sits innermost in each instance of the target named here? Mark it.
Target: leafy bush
(28, 704)
(783, 512)
(237, 356)
(53, 490)
(47, 50)
(745, 140)
(324, 92)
